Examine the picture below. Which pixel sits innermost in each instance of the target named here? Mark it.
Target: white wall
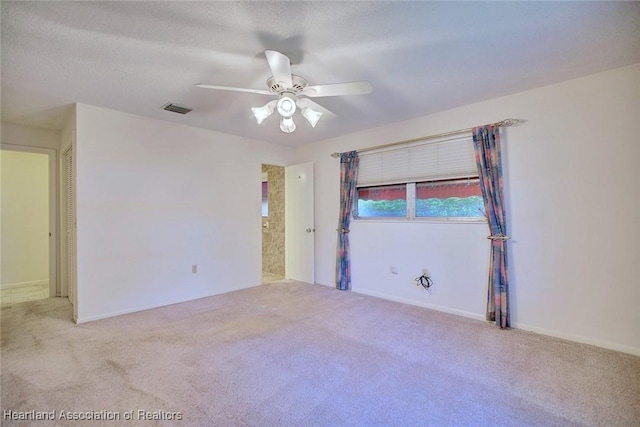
(154, 198)
(25, 218)
(571, 188)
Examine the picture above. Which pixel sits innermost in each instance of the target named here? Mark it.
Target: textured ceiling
(421, 57)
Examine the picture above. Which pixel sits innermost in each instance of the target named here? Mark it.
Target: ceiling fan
(293, 92)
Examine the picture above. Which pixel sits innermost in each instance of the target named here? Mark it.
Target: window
(426, 180)
(382, 201)
(460, 198)
(448, 199)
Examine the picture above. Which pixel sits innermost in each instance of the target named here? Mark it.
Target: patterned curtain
(348, 176)
(486, 144)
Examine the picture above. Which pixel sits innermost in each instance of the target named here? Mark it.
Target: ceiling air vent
(175, 108)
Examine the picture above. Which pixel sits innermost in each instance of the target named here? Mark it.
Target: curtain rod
(503, 123)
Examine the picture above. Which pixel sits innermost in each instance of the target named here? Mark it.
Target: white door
(299, 225)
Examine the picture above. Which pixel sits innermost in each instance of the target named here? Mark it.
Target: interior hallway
(24, 293)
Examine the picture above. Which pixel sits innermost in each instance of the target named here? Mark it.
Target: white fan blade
(351, 88)
(280, 67)
(236, 89)
(307, 103)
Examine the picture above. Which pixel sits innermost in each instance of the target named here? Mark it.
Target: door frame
(288, 230)
(54, 258)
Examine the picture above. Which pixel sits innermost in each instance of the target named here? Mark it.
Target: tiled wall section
(273, 236)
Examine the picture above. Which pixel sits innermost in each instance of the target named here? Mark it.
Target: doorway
(273, 223)
(288, 242)
(28, 183)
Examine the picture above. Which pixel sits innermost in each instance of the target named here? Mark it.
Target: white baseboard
(578, 338)
(85, 319)
(525, 327)
(422, 304)
(24, 284)
(542, 331)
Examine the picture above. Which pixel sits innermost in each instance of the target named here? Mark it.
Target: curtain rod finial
(336, 155)
(511, 122)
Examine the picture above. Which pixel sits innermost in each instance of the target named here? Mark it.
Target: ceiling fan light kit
(286, 106)
(312, 116)
(287, 125)
(293, 91)
(261, 113)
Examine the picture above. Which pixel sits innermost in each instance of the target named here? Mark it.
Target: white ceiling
(421, 57)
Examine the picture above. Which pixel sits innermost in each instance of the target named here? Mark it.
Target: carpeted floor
(293, 354)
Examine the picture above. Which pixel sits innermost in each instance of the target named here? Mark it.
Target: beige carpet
(293, 354)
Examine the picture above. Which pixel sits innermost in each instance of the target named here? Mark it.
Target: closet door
(70, 238)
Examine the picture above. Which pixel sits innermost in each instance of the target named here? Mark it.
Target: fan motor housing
(298, 85)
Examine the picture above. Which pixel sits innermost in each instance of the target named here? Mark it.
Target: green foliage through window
(460, 198)
(382, 208)
(451, 207)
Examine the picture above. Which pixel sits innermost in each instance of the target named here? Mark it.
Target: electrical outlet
(194, 268)
(426, 272)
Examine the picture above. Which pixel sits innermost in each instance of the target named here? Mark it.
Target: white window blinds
(426, 161)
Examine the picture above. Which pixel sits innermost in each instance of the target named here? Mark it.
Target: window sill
(443, 220)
